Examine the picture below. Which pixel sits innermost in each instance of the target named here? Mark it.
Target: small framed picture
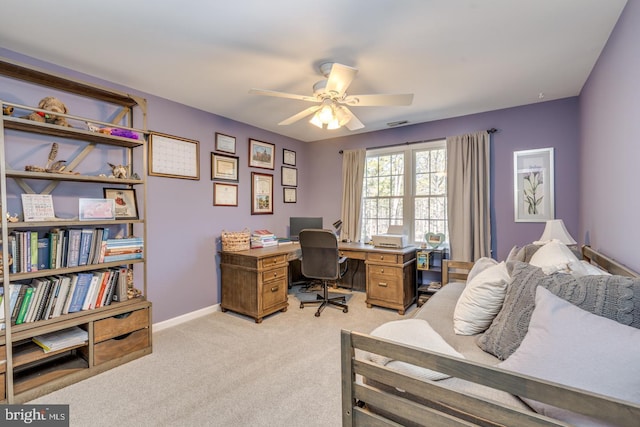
(289, 176)
(261, 193)
(126, 204)
(288, 157)
(96, 209)
(225, 143)
(261, 154)
(225, 194)
(290, 195)
(224, 167)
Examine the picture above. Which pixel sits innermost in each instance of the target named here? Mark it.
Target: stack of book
(123, 249)
(263, 239)
(62, 339)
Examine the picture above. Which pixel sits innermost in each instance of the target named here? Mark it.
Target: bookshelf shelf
(26, 371)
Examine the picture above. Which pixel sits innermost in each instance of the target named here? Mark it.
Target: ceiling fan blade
(380, 100)
(354, 123)
(282, 95)
(300, 115)
(340, 78)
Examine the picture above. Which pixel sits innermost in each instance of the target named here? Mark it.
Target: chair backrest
(319, 254)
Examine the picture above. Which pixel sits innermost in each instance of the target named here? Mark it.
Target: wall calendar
(173, 157)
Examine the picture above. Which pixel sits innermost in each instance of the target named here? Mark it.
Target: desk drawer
(119, 325)
(353, 254)
(120, 346)
(380, 258)
(384, 287)
(274, 293)
(269, 262)
(274, 274)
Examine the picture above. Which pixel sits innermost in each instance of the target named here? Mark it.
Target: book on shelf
(33, 249)
(53, 248)
(73, 247)
(284, 241)
(63, 295)
(86, 238)
(80, 292)
(39, 284)
(122, 285)
(123, 257)
(72, 287)
(96, 280)
(43, 300)
(44, 258)
(24, 306)
(59, 340)
(21, 290)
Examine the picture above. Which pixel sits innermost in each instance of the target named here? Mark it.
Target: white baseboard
(185, 317)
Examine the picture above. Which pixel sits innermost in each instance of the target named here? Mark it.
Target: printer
(394, 238)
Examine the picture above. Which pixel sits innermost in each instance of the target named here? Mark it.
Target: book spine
(33, 248)
(24, 308)
(123, 257)
(43, 254)
(73, 247)
(85, 246)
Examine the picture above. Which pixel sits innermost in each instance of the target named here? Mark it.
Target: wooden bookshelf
(117, 332)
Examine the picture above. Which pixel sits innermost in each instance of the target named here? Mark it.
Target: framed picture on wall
(224, 167)
(288, 157)
(261, 154)
(533, 185)
(261, 193)
(289, 176)
(225, 143)
(290, 195)
(225, 194)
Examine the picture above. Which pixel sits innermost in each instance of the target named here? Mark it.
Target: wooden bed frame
(364, 405)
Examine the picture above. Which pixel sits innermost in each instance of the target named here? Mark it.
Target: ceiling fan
(332, 99)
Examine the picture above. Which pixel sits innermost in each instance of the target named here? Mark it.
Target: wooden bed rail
(444, 405)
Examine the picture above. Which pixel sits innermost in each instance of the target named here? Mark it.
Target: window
(407, 186)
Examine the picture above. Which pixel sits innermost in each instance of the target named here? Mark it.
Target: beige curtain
(468, 207)
(352, 179)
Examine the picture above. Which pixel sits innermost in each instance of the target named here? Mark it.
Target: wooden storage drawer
(274, 274)
(3, 390)
(119, 325)
(120, 346)
(274, 293)
(353, 254)
(384, 258)
(271, 261)
(385, 287)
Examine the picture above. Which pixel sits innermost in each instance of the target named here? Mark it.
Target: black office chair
(321, 260)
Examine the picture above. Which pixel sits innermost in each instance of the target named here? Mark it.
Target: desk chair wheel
(317, 313)
(345, 310)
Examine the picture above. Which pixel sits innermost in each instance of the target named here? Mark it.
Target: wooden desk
(254, 282)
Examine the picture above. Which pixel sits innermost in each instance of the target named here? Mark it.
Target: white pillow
(571, 346)
(479, 266)
(417, 333)
(553, 256)
(481, 300)
(584, 268)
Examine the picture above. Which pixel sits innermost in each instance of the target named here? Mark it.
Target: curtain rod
(490, 131)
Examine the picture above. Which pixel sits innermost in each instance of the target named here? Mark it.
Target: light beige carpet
(223, 369)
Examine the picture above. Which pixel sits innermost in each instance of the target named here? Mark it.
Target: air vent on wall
(398, 123)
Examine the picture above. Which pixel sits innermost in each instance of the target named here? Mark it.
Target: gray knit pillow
(614, 297)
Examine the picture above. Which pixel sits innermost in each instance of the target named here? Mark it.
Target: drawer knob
(381, 257)
(275, 274)
(382, 270)
(274, 288)
(382, 284)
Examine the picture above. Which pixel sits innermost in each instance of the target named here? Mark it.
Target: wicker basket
(233, 241)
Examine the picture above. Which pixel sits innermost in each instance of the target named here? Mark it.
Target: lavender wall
(541, 125)
(184, 227)
(609, 106)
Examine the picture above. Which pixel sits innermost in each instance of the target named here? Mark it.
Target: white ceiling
(457, 57)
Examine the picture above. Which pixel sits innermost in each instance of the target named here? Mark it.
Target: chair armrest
(342, 262)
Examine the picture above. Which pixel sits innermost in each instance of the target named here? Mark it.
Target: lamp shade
(555, 229)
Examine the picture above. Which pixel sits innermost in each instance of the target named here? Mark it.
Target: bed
(375, 394)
